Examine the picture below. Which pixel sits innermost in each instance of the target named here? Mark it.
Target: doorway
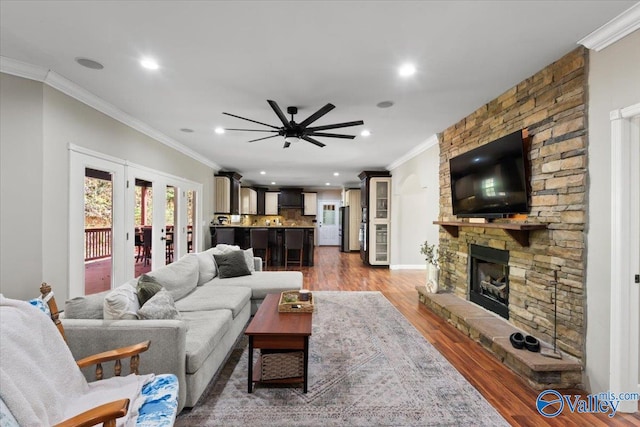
(328, 223)
(624, 351)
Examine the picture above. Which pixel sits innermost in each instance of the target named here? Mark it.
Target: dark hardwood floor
(506, 391)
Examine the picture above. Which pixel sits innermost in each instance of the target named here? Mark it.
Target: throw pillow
(232, 264)
(121, 303)
(248, 257)
(160, 306)
(225, 249)
(147, 288)
(206, 267)
(86, 307)
(180, 277)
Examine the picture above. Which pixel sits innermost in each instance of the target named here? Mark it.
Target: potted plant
(430, 253)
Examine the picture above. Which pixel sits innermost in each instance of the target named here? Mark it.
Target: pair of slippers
(519, 341)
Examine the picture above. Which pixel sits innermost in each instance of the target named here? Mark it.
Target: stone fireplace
(488, 278)
(516, 284)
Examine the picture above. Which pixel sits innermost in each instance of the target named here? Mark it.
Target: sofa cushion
(86, 307)
(159, 306)
(232, 264)
(206, 266)
(205, 330)
(180, 277)
(205, 298)
(122, 303)
(147, 287)
(263, 282)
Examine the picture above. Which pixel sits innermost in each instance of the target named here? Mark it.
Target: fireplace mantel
(519, 231)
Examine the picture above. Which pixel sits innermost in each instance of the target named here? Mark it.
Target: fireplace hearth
(488, 278)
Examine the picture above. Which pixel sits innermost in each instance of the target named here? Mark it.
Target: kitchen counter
(242, 237)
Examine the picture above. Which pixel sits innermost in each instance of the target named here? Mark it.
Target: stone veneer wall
(552, 106)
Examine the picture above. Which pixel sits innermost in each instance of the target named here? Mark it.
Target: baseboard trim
(408, 267)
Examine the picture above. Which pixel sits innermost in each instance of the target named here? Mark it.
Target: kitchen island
(242, 238)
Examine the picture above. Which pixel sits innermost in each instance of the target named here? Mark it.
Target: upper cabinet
(227, 196)
(380, 191)
(248, 201)
(271, 203)
(290, 198)
(310, 204)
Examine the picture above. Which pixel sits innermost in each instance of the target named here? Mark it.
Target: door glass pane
(143, 217)
(382, 196)
(191, 218)
(98, 220)
(170, 221)
(329, 214)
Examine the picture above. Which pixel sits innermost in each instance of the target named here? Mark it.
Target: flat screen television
(491, 181)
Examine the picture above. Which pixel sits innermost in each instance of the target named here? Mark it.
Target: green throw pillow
(231, 264)
(147, 288)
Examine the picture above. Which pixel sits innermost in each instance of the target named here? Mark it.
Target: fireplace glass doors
(489, 278)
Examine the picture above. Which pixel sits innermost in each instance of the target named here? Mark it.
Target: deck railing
(97, 243)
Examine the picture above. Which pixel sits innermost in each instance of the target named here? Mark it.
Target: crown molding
(614, 30)
(430, 142)
(66, 86)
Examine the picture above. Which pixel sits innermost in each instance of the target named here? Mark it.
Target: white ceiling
(232, 56)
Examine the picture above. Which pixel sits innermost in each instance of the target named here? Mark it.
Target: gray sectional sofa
(213, 313)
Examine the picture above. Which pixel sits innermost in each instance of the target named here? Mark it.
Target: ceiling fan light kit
(294, 132)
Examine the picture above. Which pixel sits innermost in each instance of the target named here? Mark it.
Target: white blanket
(39, 380)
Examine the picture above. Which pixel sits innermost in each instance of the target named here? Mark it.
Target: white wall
(614, 83)
(63, 121)
(21, 177)
(415, 205)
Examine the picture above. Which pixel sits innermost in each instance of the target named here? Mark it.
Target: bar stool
(225, 235)
(293, 240)
(260, 241)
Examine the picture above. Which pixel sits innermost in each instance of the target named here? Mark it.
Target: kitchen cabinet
(290, 198)
(375, 229)
(310, 204)
(271, 203)
(248, 201)
(227, 193)
(260, 191)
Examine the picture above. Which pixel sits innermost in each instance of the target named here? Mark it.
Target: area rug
(368, 366)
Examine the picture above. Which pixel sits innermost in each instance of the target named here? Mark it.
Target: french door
(146, 219)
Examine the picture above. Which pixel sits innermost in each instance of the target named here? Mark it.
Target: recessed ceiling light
(327, 183)
(89, 63)
(365, 133)
(187, 130)
(407, 70)
(336, 174)
(384, 104)
(273, 183)
(219, 130)
(263, 173)
(149, 63)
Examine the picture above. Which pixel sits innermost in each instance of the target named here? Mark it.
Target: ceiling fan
(293, 131)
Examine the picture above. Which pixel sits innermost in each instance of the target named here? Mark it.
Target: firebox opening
(488, 278)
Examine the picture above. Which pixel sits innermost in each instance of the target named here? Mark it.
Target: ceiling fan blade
(249, 120)
(279, 113)
(286, 144)
(336, 126)
(253, 130)
(313, 141)
(315, 116)
(330, 135)
(266, 137)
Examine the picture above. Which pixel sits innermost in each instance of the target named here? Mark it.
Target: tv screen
(490, 181)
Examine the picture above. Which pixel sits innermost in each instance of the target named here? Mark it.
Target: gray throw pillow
(160, 306)
(232, 264)
(147, 287)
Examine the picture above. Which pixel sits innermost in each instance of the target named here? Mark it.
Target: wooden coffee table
(271, 330)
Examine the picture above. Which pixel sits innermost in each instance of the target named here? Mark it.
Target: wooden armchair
(105, 414)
